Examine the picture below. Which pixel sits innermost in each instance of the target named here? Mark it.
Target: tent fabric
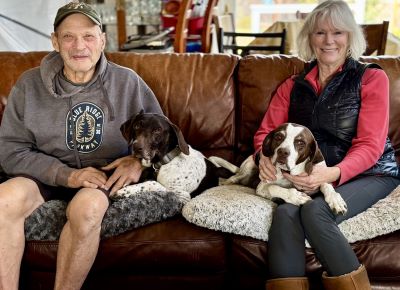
(38, 14)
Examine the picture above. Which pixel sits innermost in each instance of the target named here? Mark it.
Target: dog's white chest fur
(184, 172)
(182, 175)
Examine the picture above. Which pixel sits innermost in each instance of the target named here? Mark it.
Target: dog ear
(266, 146)
(183, 146)
(127, 131)
(315, 157)
(127, 127)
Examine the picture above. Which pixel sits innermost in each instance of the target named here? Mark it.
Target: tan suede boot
(295, 283)
(356, 280)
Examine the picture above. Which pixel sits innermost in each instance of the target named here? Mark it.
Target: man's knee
(86, 210)
(19, 197)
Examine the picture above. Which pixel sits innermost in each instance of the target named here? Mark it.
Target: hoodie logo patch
(87, 119)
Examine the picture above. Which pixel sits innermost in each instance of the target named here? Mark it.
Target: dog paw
(336, 203)
(297, 197)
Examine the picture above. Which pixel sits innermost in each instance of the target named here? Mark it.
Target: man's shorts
(52, 192)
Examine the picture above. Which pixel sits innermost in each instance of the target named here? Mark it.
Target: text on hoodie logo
(87, 120)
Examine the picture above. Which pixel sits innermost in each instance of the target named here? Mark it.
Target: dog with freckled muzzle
(291, 148)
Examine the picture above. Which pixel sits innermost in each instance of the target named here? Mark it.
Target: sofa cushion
(259, 76)
(171, 246)
(195, 91)
(380, 255)
(391, 66)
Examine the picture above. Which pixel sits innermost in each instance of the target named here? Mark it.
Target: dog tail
(220, 162)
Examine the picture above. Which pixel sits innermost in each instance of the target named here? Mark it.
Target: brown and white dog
(293, 149)
(160, 146)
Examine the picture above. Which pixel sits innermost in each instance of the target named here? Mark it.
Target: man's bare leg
(19, 197)
(80, 237)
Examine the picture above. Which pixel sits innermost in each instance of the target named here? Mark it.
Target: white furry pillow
(236, 209)
(232, 209)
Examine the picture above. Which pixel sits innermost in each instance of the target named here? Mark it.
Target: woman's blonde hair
(338, 13)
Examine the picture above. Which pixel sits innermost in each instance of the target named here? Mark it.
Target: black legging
(316, 222)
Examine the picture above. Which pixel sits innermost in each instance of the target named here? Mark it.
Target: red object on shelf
(195, 25)
(168, 21)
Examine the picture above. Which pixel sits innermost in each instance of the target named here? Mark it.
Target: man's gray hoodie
(51, 126)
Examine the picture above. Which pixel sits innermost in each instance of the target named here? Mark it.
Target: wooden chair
(248, 49)
(181, 29)
(206, 33)
(376, 37)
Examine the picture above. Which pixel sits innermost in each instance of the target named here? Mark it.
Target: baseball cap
(77, 7)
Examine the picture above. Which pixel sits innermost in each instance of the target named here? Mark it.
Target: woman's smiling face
(329, 44)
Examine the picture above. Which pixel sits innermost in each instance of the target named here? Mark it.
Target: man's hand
(87, 177)
(127, 170)
(267, 170)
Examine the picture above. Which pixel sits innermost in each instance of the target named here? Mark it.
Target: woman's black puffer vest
(333, 115)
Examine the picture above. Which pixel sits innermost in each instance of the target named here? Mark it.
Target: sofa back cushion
(196, 91)
(391, 65)
(260, 75)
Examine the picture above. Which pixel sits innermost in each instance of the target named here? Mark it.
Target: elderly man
(60, 136)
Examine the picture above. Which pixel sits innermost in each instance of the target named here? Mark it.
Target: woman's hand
(127, 170)
(267, 170)
(310, 183)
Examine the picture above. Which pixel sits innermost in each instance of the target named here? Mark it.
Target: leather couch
(218, 102)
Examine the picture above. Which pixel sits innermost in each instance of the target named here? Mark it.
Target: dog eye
(278, 137)
(157, 138)
(157, 130)
(138, 125)
(300, 143)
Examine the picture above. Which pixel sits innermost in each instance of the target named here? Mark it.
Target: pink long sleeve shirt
(372, 127)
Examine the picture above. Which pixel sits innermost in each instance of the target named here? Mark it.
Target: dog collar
(167, 158)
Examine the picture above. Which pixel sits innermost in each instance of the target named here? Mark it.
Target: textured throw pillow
(232, 209)
(124, 214)
(380, 219)
(235, 209)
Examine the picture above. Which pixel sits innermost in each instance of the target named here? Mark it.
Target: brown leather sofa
(218, 102)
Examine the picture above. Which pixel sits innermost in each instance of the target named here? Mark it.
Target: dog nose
(283, 152)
